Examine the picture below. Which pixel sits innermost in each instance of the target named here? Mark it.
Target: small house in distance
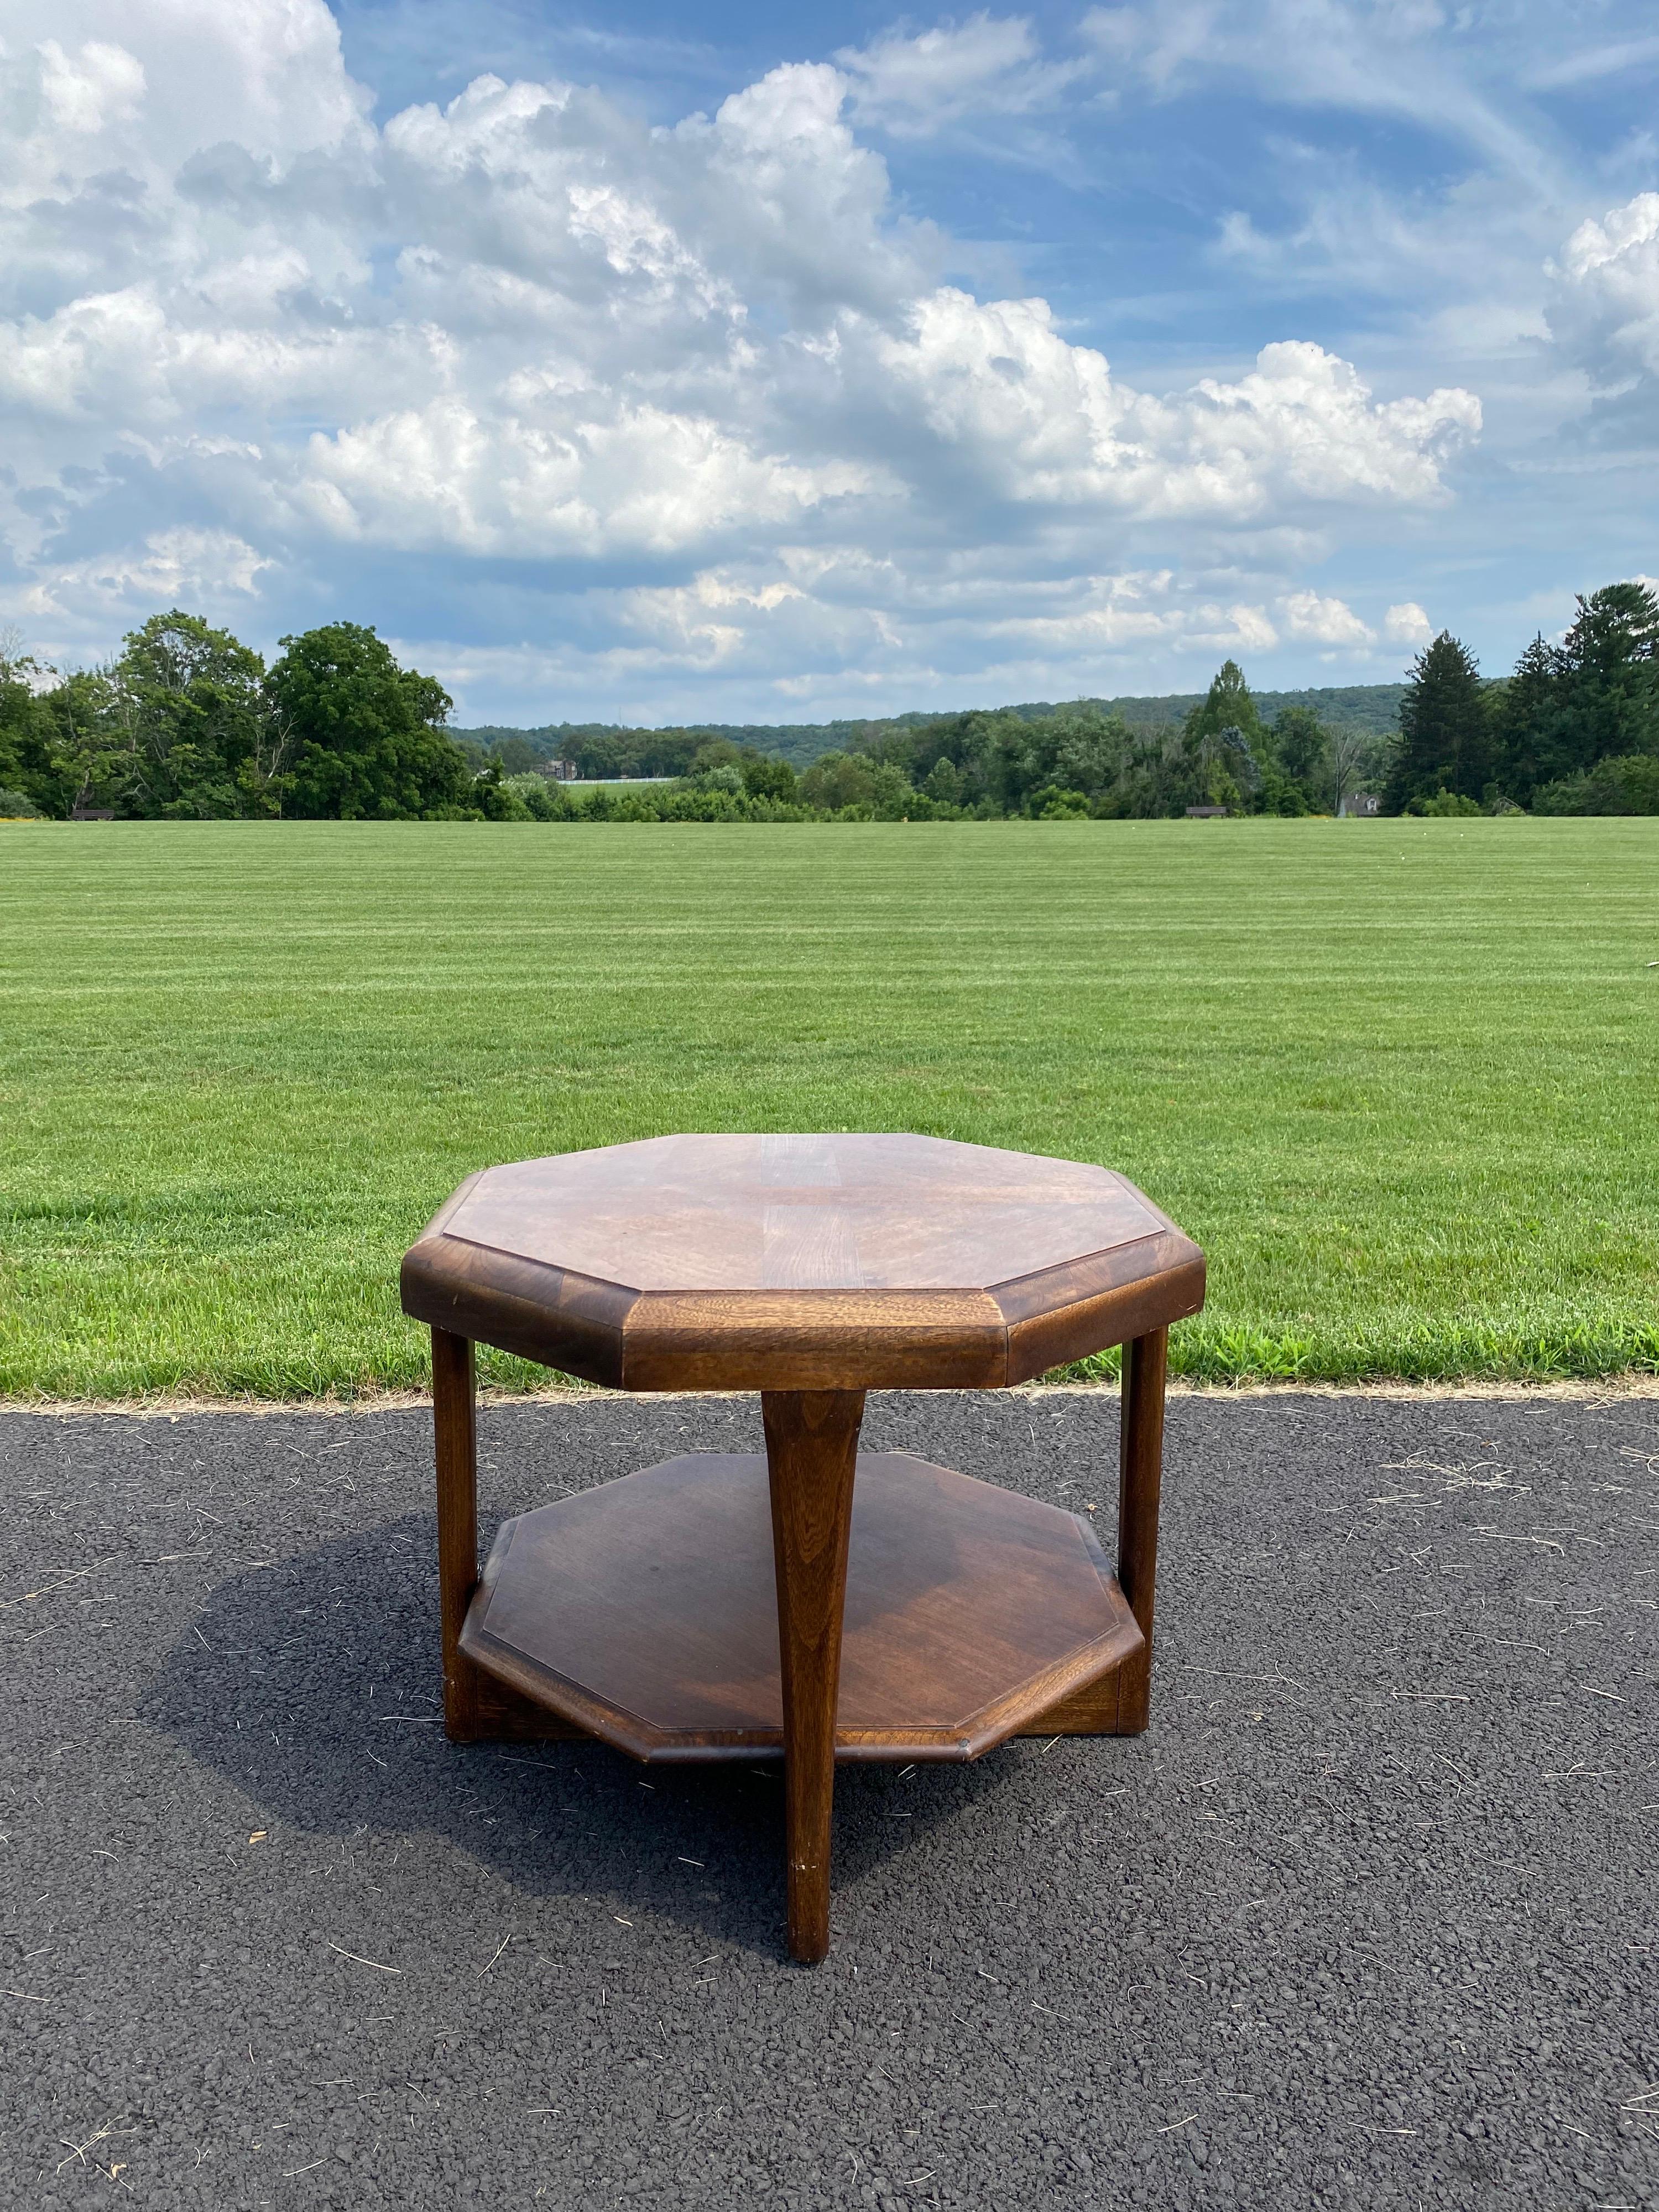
(1362, 802)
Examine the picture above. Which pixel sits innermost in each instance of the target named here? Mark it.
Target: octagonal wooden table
(816, 1604)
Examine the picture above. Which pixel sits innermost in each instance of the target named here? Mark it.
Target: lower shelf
(644, 1612)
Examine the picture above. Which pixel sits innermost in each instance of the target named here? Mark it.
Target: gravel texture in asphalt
(1367, 1917)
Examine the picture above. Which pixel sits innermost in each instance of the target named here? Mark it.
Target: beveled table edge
(624, 1338)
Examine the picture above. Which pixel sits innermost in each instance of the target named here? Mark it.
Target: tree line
(188, 723)
(1575, 730)
(608, 749)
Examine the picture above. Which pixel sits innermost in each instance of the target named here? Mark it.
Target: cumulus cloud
(1606, 302)
(167, 566)
(101, 84)
(698, 394)
(1323, 621)
(1407, 624)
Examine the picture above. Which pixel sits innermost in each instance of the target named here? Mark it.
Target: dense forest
(188, 723)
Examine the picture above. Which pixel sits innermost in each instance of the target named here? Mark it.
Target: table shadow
(312, 1684)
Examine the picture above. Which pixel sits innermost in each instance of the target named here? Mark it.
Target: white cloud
(168, 566)
(1409, 59)
(1589, 63)
(1605, 307)
(917, 85)
(101, 84)
(873, 610)
(537, 483)
(1407, 624)
(1039, 419)
(258, 343)
(837, 627)
(1323, 621)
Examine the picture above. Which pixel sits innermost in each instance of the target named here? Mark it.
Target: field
(1398, 1078)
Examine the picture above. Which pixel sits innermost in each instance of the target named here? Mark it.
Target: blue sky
(653, 363)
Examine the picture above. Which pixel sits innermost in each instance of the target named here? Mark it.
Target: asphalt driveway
(1368, 1917)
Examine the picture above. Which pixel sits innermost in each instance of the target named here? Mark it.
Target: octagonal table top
(801, 1262)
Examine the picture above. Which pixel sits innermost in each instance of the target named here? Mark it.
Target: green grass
(1399, 1079)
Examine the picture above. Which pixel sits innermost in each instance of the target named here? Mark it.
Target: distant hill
(1368, 709)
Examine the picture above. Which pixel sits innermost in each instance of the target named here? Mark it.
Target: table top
(801, 1262)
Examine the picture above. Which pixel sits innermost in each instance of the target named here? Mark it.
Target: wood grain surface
(1140, 1482)
(645, 1610)
(801, 1213)
(801, 1263)
(812, 1451)
(455, 1433)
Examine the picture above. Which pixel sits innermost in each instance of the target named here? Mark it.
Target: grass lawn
(1400, 1078)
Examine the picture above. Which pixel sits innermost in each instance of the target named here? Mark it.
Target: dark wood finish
(812, 1455)
(1140, 1481)
(645, 1612)
(506, 1715)
(801, 1263)
(1090, 1712)
(543, 1313)
(812, 1340)
(1110, 1297)
(454, 1419)
(692, 1612)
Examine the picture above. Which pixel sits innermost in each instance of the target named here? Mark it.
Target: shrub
(1443, 802)
(545, 800)
(1627, 783)
(1280, 793)
(17, 806)
(1052, 805)
(769, 779)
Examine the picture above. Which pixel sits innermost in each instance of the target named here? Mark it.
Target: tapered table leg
(455, 1428)
(1140, 1476)
(812, 1452)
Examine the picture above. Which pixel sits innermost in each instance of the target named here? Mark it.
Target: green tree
(1445, 730)
(943, 784)
(1608, 675)
(83, 755)
(28, 771)
(1526, 718)
(542, 798)
(493, 796)
(1355, 756)
(1618, 785)
(516, 755)
(1089, 751)
(1594, 697)
(1228, 706)
(835, 781)
(1052, 805)
(365, 736)
(766, 778)
(188, 722)
(1226, 741)
(1299, 749)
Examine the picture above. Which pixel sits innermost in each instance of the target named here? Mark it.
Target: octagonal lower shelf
(644, 1612)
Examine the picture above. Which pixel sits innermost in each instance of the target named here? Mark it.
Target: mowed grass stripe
(1396, 1076)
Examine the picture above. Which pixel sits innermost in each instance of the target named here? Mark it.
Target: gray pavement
(1368, 1917)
